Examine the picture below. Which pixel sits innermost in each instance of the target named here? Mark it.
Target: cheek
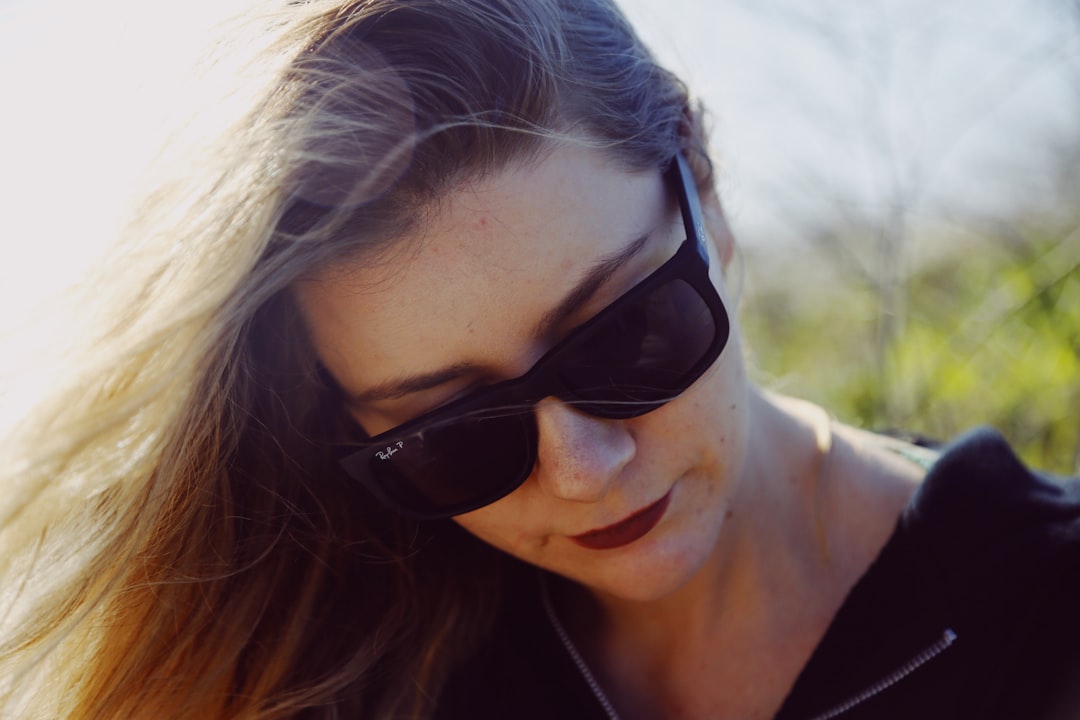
(720, 396)
(716, 415)
(705, 428)
(504, 525)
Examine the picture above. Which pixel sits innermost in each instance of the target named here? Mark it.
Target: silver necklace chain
(571, 649)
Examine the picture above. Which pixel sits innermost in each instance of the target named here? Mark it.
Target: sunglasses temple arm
(690, 204)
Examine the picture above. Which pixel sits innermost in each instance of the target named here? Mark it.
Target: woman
(430, 405)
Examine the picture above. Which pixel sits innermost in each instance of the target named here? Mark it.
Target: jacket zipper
(947, 638)
(943, 643)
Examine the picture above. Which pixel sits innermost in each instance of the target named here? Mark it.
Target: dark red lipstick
(625, 531)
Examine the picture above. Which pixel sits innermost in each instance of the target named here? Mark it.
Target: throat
(733, 640)
(671, 660)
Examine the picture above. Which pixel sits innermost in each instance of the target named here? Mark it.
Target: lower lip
(625, 531)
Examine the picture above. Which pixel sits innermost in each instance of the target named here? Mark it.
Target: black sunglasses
(635, 355)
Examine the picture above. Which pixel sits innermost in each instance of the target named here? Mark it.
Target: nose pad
(579, 457)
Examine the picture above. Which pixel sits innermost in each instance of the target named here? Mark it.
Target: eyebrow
(592, 281)
(402, 386)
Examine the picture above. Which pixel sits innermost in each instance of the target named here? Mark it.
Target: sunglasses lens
(643, 355)
(457, 466)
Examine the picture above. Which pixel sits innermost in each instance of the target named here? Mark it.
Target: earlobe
(717, 227)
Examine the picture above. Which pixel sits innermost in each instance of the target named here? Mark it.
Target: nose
(579, 457)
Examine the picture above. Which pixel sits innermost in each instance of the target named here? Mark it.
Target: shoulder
(992, 549)
(991, 535)
(977, 489)
(987, 554)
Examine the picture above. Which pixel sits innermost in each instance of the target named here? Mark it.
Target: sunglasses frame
(690, 263)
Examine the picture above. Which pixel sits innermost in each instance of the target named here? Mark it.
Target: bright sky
(842, 105)
(948, 107)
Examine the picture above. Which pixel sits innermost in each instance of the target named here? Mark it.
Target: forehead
(490, 260)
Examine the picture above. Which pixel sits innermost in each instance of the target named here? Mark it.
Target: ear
(717, 227)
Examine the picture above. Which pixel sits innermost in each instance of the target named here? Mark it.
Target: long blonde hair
(175, 537)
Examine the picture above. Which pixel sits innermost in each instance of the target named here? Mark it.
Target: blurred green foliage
(986, 331)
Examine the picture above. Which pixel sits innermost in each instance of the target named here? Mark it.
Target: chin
(653, 567)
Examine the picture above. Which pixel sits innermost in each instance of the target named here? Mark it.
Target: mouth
(625, 531)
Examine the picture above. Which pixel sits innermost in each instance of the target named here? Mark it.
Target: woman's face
(500, 270)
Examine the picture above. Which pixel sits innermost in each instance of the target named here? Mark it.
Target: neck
(769, 588)
(772, 536)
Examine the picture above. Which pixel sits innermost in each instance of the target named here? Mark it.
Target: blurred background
(903, 177)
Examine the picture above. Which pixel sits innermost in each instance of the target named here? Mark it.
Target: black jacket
(971, 611)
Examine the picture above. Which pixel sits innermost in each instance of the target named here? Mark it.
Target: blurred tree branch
(879, 233)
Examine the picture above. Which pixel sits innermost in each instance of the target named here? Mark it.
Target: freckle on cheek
(729, 514)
